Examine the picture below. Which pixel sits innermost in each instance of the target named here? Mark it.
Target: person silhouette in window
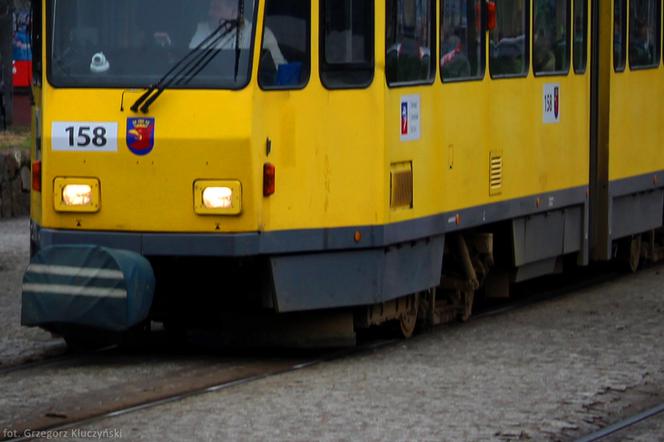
(221, 11)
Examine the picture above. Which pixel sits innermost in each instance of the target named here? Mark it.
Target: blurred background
(15, 66)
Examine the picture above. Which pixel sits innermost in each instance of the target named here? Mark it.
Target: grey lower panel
(635, 184)
(576, 229)
(636, 213)
(548, 235)
(343, 279)
(631, 205)
(536, 269)
(519, 207)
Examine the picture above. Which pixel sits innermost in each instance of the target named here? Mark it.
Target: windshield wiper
(240, 16)
(211, 52)
(189, 63)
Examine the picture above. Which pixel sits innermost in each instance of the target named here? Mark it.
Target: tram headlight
(212, 197)
(76, 195)
(218, 197)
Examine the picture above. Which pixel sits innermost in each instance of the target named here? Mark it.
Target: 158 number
(86, 135)
(548, 103)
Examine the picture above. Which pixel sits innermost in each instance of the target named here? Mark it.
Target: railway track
(175, 386)
(624, 424)
(214, 375)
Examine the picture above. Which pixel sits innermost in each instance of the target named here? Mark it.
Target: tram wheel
(408, 319)
(629, 252)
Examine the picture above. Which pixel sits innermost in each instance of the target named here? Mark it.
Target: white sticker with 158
(83, 136)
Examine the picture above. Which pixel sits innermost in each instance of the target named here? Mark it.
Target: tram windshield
(133, 43)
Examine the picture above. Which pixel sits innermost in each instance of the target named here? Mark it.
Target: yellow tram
(195, 161)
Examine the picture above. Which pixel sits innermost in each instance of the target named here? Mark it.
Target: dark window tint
(462, 40)
(508, 47)
(285, 55)
(410, 36)
(347, 30)
(644, 38)
(619, 34)
(551, 36)
(580, 35)
(133, 43)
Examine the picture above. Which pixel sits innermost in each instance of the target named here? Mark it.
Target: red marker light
(269, 173)
(36, 176)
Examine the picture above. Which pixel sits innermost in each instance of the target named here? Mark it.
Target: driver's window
(285, 55)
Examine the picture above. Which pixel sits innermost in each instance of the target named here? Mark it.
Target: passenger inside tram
(544, 58)
(641, 49)
(454, 63)
(221, 11)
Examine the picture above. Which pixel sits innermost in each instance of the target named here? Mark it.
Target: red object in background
(22, 74)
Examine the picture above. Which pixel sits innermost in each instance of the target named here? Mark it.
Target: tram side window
(462, 40)
(550, 37)
(644, 34)
(410, 37)
(285, 55)
(508, 45)
(580, 35)
(346, 43)
(619, 34)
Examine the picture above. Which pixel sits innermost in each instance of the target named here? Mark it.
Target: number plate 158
(84, 137)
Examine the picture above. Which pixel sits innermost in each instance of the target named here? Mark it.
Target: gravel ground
(553, 371)
(18, 344)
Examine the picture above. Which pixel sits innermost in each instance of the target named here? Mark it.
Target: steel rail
(23, 434)
(623, 424)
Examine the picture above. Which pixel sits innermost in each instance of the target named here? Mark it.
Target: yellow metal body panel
(35, 196)
(207, 137)
(636, 122)
(463, 122)
(633, 126)
(333, 150)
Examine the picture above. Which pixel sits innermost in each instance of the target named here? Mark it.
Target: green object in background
(15, 139)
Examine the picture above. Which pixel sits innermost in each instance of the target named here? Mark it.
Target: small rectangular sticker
(551, 103)
(410, 117)
(81, 136)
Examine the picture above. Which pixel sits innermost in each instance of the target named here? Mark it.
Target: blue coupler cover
(87, 285)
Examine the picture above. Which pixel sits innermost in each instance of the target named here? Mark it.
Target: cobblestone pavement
(551, 371)
(18, 344)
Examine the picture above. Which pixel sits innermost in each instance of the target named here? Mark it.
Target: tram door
(600, 61)
(316, 112)
(627, 111)
(463, 105)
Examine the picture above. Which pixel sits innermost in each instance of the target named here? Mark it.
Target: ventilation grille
(401, 185)
(495, 173)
